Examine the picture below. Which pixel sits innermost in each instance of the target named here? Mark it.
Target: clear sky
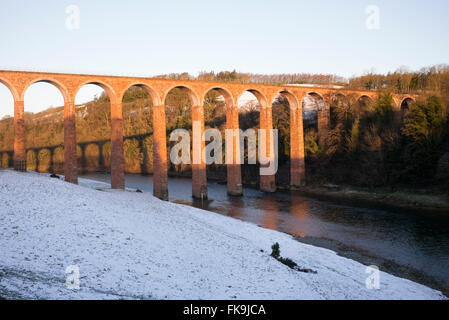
(149, 37)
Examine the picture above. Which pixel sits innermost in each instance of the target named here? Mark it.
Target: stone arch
(153, 94)
(337, 100)
(116, 113)
(261, 98)
(361, 104)
(20, 135)
(338, 96)
(319, 116)
(197, 165)
(406, 104)
(193, 96)
(62, 89)
(364, 98)
(267, 180)
(227, 95)
(11, 89)
(315, 95)
(106, 87)
(135, 153)
(317, 98)
(233, 170)
(292, 100)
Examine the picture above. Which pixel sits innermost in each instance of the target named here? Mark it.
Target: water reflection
(270, 213)
(299, 209)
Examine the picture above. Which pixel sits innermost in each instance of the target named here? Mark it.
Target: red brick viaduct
(116, 86)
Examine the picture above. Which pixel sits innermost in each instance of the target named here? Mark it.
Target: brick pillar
(323, 120)
(19, 137)
(199, 175)
(117, 156)
(70, 161)
(297, 164)
(267, 182)
(160, 175)
(234, 170)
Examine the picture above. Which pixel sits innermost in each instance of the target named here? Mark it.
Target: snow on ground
(130, 245)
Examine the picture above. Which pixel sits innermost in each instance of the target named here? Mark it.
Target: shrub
(276, 253)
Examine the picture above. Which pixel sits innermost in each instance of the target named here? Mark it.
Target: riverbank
(424, 200)
(129, 245)
(416, 201)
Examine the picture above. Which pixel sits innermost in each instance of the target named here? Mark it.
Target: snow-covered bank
(131, 245)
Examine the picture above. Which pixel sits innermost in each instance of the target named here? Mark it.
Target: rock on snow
(129, 245)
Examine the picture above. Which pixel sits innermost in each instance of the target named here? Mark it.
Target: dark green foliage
(275, 250)
(384, 113)
(276, 253)
(378, 146)
(425, 134)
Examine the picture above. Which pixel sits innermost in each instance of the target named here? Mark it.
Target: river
(411, 245)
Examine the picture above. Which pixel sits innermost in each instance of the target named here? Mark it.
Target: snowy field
(129, 245)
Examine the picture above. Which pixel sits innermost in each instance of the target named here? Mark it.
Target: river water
(408, 244)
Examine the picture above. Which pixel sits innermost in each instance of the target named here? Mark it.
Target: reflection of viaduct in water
(158, 89)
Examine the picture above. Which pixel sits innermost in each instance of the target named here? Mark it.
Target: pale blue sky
(148, 37)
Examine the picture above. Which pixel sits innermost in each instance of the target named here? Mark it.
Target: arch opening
(312, 104)
(339, 99)
(364, 103)
(285, 107)
(137, 103)
(218, 105)
(179, 102)
(44, 121)
(215, 103)
(93, 129)
(406, 106)
(341, 109)
(251, 103)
